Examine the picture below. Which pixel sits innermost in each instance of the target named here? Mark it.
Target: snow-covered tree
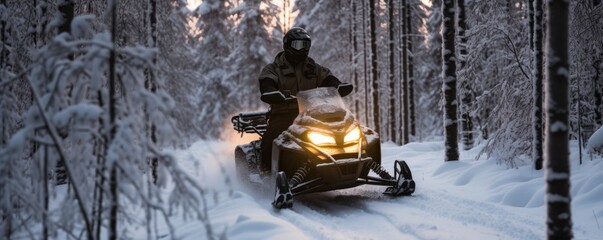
(449, 80)
(372, 12)
(586, 56)
(90, 110)
(411, 26)
(330, 35)
(393, 114)
(254, 49)
(428, 58)
(499, 60)
(405, 118)
(537, 79)
(465, 86)
(214, 69)
(177, 65)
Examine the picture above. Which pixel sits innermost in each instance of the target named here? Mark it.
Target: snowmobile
(325, 149)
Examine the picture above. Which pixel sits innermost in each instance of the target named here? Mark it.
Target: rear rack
(252, 122)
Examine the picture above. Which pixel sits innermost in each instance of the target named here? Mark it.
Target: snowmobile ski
(404, 183)
(283, 198)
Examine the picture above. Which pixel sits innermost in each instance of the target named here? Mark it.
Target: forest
(93, 91)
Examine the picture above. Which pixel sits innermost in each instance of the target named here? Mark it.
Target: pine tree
(114, 204)
(466, 100)
(405, 88)
(366, 66)
(374, 66)
(151, 75)
(497, 61)
(330, 35)
(213, 62)
(585, 48)
(178, 63)
(246, 62)
(354, 57)
(68, 77)
(410, 68)
(557, 172)
(449, 81)
(537, 74)
(392, 74)
(429, 57)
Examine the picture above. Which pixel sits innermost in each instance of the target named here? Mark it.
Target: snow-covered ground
(467, 199)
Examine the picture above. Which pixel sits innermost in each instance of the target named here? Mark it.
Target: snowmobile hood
(327, 113)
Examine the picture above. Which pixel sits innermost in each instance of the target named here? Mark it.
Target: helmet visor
(300, 44)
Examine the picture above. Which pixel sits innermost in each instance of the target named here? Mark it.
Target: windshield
(319, 96)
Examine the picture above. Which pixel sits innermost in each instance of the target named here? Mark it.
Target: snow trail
(467, 199)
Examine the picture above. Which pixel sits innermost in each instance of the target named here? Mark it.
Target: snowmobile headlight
(320, 139)
(352, 136)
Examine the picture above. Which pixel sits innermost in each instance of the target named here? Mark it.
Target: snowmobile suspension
(299, 175)
(379, 170)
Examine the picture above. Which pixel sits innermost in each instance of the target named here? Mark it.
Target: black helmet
(297, 44)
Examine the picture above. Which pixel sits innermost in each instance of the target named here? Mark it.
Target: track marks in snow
(340, 215)
(366, 214)
(479, 206)
(431, 213)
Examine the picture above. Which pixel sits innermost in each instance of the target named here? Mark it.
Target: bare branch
(55, 138)
(513, 49)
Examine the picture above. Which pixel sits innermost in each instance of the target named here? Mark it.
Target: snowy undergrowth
(522, 188)
(467, 199)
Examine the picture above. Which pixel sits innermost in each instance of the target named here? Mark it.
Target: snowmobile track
(328, 215)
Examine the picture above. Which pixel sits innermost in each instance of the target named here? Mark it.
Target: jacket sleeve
(328, 80)
(326, 77)
(268, 79)
(269, 86)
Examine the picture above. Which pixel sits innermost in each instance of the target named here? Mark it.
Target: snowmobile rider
(292, 71)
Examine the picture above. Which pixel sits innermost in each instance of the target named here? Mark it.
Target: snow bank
(524, 188)
(595, 142)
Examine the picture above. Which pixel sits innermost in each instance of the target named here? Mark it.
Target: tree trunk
(449, 81)
(45, 194)
(66, 10)
(366, 65)
(392, 74)
(34, 32)
(374, 67)
(557, 171)
(150, 81)
(404, 94)
(99, 194)
(4, 52)
(531, 22)
(35, 39)
(598, 95)
(537, 132)
(353, 58)
(466, 100)
(411, 81)
(112, 116)
(3, 65)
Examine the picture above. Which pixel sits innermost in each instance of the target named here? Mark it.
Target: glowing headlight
(320, 139)
(352, 136)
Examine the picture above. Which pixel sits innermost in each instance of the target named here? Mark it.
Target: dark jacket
(282, 76)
